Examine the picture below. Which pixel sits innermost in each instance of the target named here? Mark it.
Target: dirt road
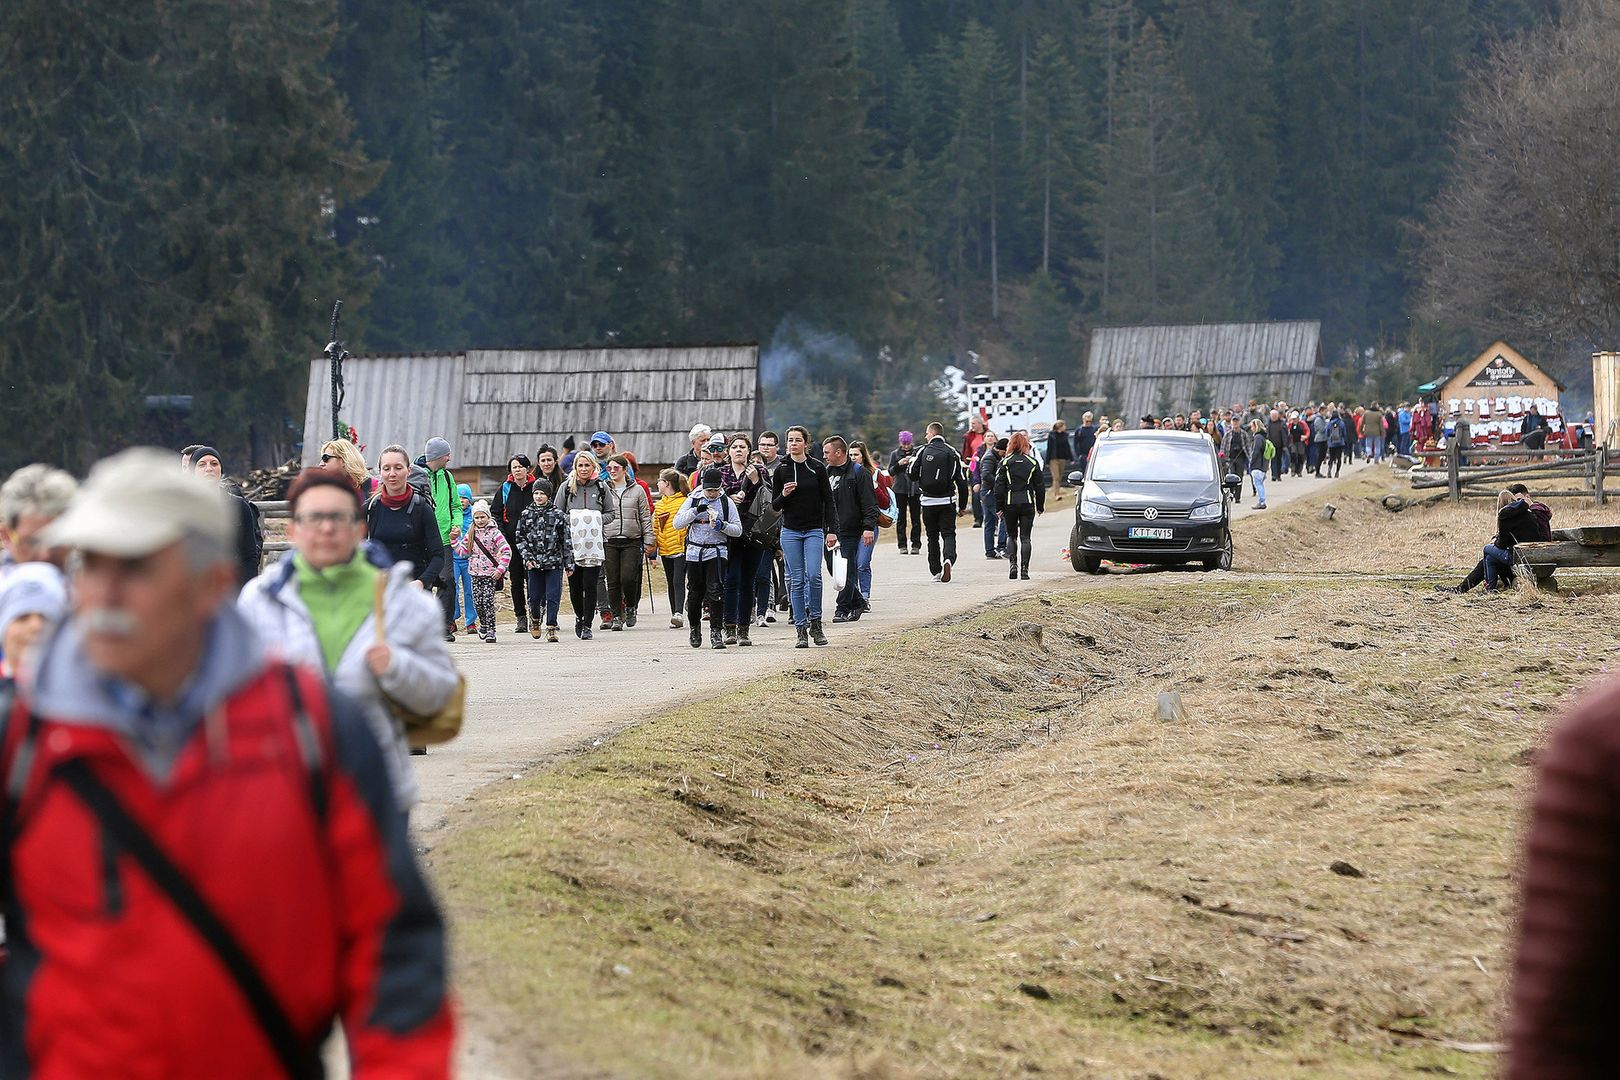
(528, 700)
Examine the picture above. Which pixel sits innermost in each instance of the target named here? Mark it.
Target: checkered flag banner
(1015, 404)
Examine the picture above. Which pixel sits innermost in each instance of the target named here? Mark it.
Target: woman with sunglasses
(315, 608)
(345, 457)
(629, 540)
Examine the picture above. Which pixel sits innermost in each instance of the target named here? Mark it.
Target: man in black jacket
(1085, 437)
(943, 492)
(855, 504)
(1519, 520)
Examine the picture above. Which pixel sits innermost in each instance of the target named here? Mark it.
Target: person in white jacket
(315, 608)
(710, 520)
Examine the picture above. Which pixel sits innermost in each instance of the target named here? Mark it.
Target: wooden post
(1453, 484)
(1602, 467)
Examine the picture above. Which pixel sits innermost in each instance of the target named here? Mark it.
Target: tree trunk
(995, 276)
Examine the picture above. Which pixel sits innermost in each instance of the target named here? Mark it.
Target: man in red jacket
(204, 865)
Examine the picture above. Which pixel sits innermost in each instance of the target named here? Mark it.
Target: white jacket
(420, 676)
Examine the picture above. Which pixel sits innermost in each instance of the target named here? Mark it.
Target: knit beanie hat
(480, 507)
(437, 447)
(206, 451)
(542, 486)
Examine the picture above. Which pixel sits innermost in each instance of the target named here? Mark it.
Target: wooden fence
(1482, 473)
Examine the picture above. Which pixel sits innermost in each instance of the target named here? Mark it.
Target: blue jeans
(801, 550)
(992, 521)
(863, 564)
(1258, 477)
(545, 595)
(1497, 561)
(741, 571)
(463, 589)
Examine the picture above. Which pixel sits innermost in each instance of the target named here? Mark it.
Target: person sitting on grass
(1519, 519)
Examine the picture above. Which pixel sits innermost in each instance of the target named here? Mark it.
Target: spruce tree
(1155, 204)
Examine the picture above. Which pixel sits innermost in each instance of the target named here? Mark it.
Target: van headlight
(1096, 511)
(1207, 512)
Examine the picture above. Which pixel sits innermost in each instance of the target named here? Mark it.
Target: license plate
(1139, 532)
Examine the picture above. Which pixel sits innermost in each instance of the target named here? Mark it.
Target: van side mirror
(1077, 477)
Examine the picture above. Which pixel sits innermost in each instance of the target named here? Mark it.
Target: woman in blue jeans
(881, 483)
(801, 494)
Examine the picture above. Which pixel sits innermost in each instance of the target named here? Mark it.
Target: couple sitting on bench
(1519, 520)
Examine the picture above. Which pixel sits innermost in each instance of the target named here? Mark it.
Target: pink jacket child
(488, 555)
(490, 563)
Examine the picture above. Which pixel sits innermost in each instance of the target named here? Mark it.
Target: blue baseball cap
(601, 437)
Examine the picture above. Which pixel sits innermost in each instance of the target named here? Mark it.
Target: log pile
(270, 485)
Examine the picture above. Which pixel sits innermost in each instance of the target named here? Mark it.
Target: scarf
(395, 502)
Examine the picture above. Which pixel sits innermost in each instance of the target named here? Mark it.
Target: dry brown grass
(852, 868)
(1365, 538)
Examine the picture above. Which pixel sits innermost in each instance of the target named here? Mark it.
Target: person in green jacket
(447, 509)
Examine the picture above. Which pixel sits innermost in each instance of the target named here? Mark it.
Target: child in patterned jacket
(488, 555)
(546, 546)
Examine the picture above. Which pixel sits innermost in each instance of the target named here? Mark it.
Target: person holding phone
(711, 521)
(800, 492)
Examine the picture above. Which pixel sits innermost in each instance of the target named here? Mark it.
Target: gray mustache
(111, 622)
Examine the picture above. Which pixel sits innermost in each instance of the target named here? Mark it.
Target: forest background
(874, 189)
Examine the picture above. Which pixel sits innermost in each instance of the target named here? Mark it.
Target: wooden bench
(1591, 546)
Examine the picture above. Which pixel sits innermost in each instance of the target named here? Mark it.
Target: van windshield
(1151, 461)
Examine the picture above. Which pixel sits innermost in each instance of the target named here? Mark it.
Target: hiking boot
(1024, 573)
(534, 631)
(607, 620)
(853, 616)
(676, 621)
(804, 638)
(617, 623)
(742, 634)
(840, 616)
(1012, 573)
(630, 618)
(1260, 506)
(731, 633)
(695, 636)
(717, 637)
(551, 634)
(579, 627)
(522, 627)
(815, 631)
(992, 556)
(945, 571)
(585, 634)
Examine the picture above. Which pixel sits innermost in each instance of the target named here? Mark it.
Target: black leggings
(1335, 461)
(623, 571)
(1020, 529)
(675, 579)
(582, 591)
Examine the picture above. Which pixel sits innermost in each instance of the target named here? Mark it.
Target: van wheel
(1222, 560)
(1093, 564)
(1076, 558)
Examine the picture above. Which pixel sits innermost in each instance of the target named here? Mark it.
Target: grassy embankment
(980, 854)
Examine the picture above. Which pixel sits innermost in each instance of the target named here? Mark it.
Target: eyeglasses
(614, 466)
(336, 519)
(328, 457)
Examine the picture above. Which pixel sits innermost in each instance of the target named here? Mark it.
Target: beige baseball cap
(138, 502)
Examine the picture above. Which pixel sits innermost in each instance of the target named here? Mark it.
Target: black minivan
(1152, 497)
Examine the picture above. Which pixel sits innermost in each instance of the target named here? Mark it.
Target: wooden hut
(492, 403)
(1499, 371)
(1150, 365)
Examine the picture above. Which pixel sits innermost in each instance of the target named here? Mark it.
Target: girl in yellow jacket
(672, 492)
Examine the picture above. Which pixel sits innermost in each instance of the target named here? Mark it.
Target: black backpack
(935, 469)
